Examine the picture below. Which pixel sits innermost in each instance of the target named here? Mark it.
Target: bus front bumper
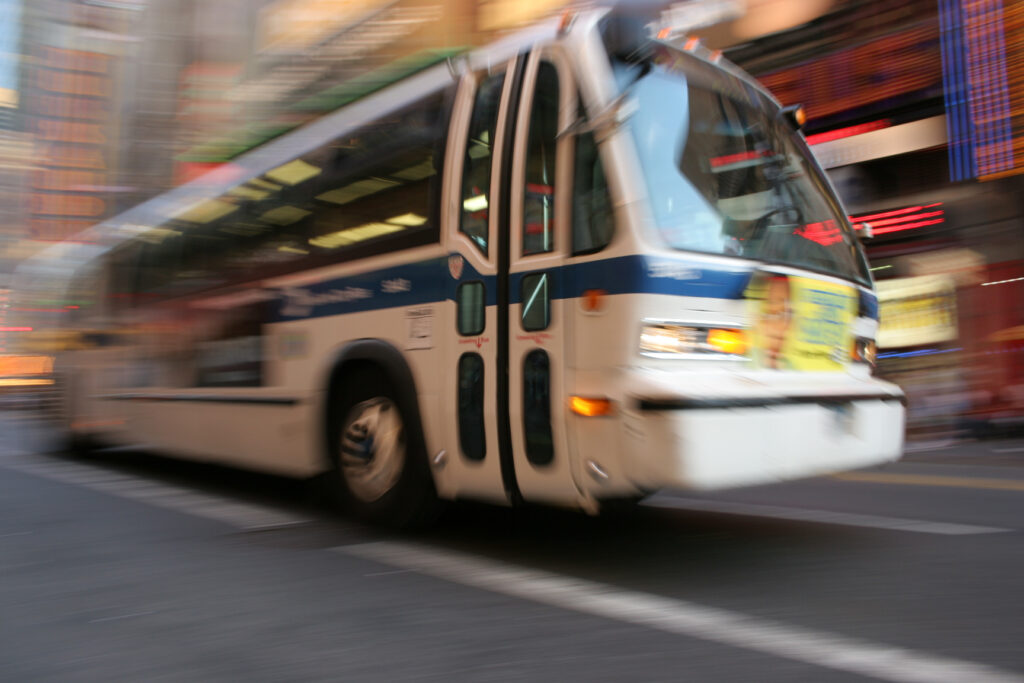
(738, 434)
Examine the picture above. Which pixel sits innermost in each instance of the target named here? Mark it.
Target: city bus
(572, 268)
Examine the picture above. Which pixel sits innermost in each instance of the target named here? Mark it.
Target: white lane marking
(821, 516)
(119, 617)
(681, 617)
(242, 515)
(1007, 450)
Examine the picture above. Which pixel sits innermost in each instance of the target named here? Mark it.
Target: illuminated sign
(897, 64)
(916, 311)
(68, 110)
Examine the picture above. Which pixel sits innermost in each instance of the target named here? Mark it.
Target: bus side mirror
(794, 116)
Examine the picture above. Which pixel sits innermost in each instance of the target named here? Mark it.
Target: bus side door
(538, 243)
(470, 215)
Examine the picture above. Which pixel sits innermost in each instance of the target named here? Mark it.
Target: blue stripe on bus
(431, 281)
(639, 275)
(410, 284)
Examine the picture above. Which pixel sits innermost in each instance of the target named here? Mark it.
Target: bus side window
(476, 171)
(592, 219)
(539, 197)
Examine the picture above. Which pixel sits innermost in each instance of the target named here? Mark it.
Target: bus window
(476, 172)
(540, 448)
(539, 199)
(592, 219)
(378, 187)
(536, 312)
(363, 193)
(726, 176)
(472, 436)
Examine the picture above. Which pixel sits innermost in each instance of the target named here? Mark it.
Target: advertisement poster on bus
(800, 323)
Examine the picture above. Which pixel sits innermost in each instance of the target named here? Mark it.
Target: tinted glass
(537, 407)
(539, 198)
(470, 302)
(472, 439)
(726, 175)
(536, 298)
(592, 222)
(367, 191)
(476, 171)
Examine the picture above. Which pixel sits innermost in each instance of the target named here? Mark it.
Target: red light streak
(903, 219)
(908, 226)
(841, 133)
(15, 329)
(896, 212)
(749, 155)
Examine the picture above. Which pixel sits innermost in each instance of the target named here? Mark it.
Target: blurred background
(915, 109)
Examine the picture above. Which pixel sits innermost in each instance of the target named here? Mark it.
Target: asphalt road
(131, 567)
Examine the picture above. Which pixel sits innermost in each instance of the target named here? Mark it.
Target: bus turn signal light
(593, 300)
(590, 407)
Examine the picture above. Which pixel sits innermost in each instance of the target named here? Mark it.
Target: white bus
(577, 266)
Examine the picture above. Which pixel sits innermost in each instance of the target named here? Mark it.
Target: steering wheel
(762, 223)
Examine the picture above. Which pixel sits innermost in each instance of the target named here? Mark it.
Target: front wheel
(380, 463)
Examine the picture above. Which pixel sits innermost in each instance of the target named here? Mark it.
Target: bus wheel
(380, 464)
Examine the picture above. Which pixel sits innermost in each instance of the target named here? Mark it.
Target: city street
(131, 567)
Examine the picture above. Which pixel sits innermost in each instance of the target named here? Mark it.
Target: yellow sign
(800, 323)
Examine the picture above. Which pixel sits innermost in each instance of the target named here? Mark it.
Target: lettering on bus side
(672, 271)
(300, 302)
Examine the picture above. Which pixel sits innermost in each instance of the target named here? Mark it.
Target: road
(131, 567)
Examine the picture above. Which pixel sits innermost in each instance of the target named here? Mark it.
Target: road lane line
(244, 516)
(1008, 450)
(820, 516)
(666, 614)
(932, 480)
(680, 617)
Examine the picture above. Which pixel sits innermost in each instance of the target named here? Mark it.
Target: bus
(574, 267)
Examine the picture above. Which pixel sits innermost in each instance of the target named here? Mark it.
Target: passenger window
(367, 191)
(537, 407)
(470, 306)
(592, 220)
(471, 406)
(539, 197)
(476, 171)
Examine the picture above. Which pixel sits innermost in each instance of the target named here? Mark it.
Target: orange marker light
(691, 44)
(566, 20)
(664, 33)
(728, 341)
(590, 407)
(593, 300)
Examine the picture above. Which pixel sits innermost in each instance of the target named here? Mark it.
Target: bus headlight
(661, 339)
(864, 351)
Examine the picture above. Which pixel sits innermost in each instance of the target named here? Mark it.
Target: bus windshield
(726, 176)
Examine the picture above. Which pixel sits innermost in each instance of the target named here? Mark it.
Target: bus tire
(380, 471)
